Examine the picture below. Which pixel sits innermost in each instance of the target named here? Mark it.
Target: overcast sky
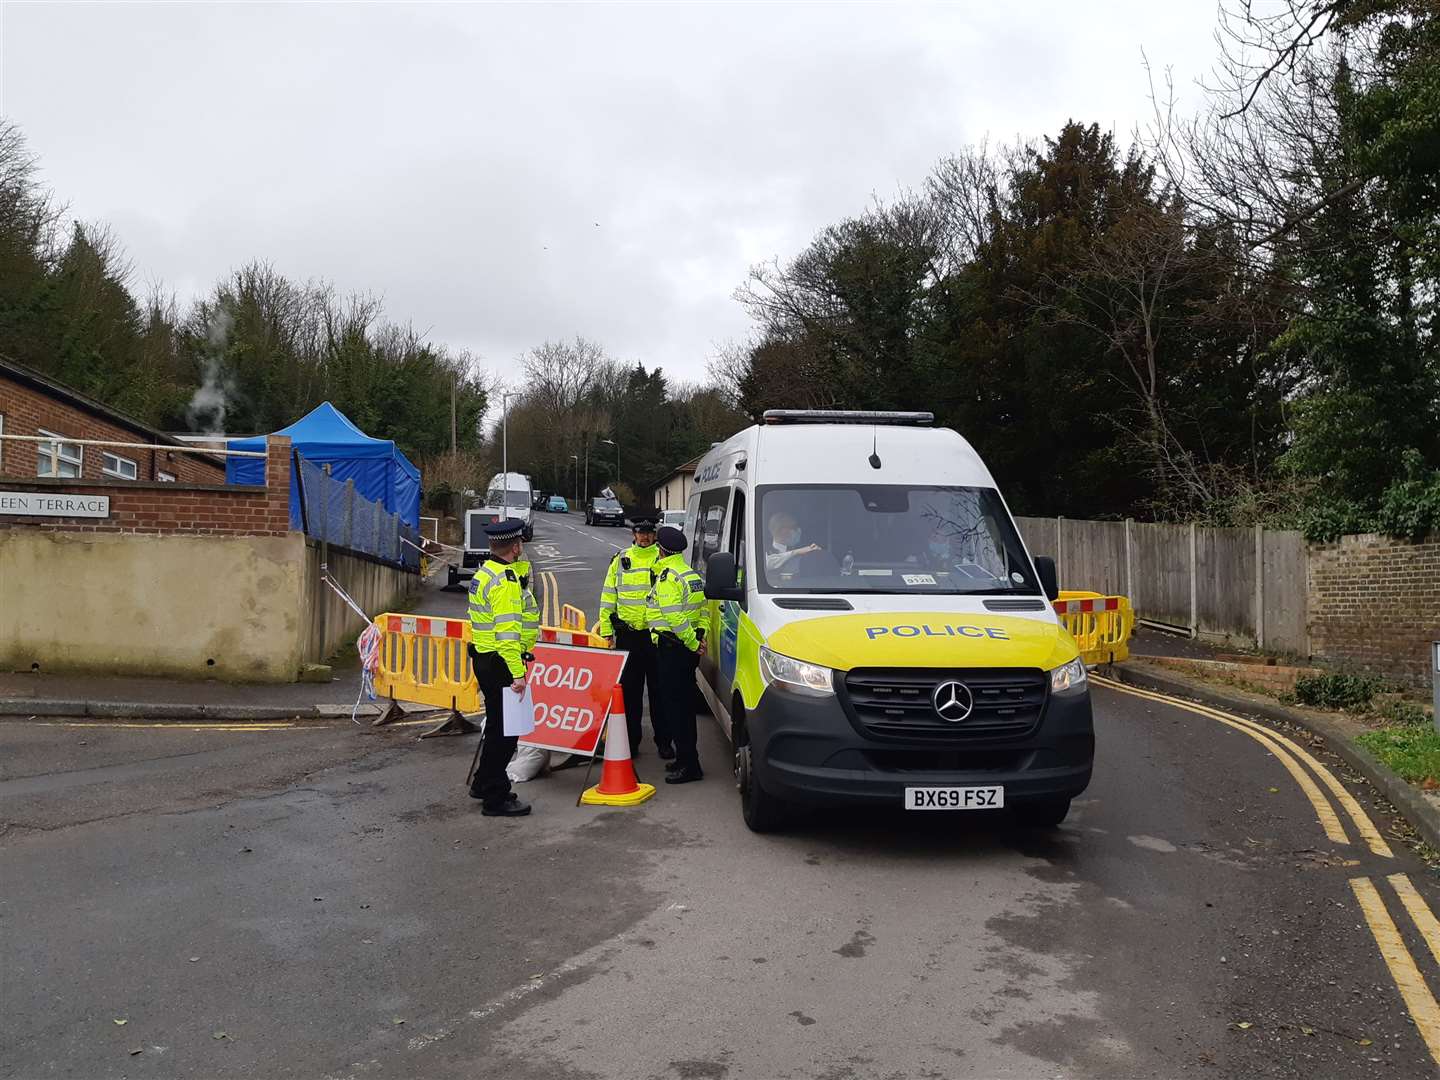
(504, 174)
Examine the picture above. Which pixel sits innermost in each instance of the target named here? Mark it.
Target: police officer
(504, 626)
(676, 614)
(622, 618)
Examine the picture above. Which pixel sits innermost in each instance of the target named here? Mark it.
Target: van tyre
(763, 812)
(1041, 813)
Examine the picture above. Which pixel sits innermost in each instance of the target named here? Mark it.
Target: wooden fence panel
(1161, 560)
(1225, 582)
(1286, 564)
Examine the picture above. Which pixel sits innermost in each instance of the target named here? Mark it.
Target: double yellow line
(550, 599)
(1419, 1000)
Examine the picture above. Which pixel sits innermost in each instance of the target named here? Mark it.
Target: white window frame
(163, 477)
(56, 454)
(2, 442)
(109, 466)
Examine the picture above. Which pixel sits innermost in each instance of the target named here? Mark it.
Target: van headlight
(1068, 677)
(795, 674)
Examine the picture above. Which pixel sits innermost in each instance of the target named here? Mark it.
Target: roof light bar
(846, 416)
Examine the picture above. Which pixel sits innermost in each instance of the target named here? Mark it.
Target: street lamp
(612, 442)
(576, 458)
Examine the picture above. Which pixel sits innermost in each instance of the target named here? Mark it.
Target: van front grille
(898, 703)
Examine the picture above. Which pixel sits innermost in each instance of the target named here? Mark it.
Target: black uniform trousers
(491, 783)
(676, 666)
(640, 673)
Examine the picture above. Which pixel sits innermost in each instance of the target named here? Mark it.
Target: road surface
(325, 901)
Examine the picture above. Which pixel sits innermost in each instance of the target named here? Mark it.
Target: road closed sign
(571, 687)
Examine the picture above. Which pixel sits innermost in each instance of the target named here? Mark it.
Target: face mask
(939, 548)
(787, 540)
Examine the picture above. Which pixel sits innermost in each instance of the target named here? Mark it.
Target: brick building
(34, 404)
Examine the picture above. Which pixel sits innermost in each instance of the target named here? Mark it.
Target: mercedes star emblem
(953, 701)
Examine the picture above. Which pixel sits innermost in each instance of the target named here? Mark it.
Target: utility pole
(505, 438)
(576, 458)
(454, 389)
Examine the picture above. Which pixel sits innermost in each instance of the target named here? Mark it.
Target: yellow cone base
(594, 797)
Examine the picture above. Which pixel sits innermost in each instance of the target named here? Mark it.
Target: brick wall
(1374, 604)
(165, 508)
(27, 411)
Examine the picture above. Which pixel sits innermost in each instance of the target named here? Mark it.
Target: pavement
(322, 900)
(47, 694)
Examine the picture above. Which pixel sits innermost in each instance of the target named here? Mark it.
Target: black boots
(511, 807)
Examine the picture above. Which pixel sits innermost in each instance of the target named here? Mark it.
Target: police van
(878, 633)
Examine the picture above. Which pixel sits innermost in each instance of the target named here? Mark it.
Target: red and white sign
(572, 687)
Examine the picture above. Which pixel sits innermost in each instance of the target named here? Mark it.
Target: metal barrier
(1100, 625)
(426, 659)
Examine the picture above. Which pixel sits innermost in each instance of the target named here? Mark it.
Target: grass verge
(1411, 751)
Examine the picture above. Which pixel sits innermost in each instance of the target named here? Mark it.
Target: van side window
(737, 533)
(710, 527)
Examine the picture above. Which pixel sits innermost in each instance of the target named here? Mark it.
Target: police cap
(644, 519)
(501, 531)
(671, 539)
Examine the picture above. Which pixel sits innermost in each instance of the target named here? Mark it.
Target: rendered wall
(227, 607)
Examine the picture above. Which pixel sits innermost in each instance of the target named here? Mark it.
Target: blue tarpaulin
(325, 436)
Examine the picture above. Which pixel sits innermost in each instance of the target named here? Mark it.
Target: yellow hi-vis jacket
(627, 586)
(504, 617)
(677, 603)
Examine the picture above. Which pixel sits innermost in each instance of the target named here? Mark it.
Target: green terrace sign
(44, 504)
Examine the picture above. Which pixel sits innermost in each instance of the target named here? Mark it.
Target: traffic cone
(618, 784)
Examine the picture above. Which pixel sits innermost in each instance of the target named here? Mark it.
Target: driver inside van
(787, 552)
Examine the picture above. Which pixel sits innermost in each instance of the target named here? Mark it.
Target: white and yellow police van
(878, 633)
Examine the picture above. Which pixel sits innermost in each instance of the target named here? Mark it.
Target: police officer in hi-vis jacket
(622, 617)
(676, 615)
(504, 626)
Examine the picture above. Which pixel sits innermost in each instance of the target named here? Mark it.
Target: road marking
(1418, 999)
(1420, 912)
(1324, 812)
(1364, 825)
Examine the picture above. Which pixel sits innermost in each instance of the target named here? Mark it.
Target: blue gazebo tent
(325, 436)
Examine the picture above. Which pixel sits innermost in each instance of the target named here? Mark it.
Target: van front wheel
(763, 812)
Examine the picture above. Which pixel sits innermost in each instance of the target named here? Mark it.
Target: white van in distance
(508, 496)
(878, 633)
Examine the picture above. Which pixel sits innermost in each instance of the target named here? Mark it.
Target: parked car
(542, 501)
(556, 504)
(673, 518)
(603, 511)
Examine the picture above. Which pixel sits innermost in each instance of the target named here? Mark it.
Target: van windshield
(513, 497)
(877, 538)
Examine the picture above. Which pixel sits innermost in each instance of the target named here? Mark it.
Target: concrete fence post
(1060, 549)
(1194, 585)
(1129, 568)
(1259, 586)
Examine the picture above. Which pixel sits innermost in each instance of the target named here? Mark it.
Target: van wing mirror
(721, 580)
(1049, 579)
